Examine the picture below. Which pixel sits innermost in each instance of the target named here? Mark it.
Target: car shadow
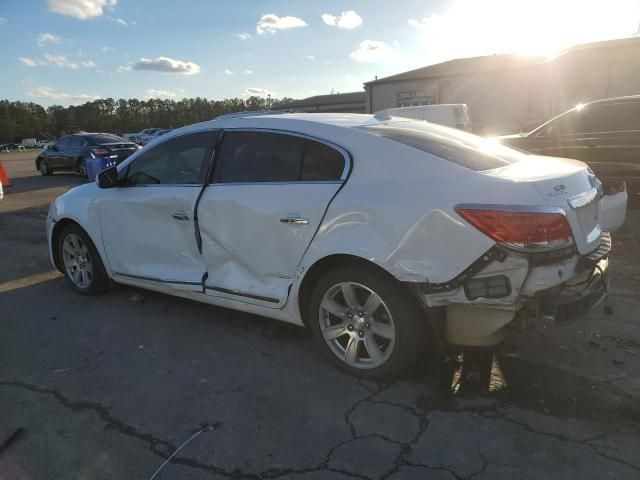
(38, 182)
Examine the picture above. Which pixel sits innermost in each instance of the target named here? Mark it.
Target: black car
(70, 152)
(605, 134)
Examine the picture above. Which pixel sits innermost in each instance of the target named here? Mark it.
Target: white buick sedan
(377, 233)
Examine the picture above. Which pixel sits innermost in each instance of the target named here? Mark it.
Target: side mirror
(107, 178)
(52, 147)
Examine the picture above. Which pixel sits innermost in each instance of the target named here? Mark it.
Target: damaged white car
(374, 232)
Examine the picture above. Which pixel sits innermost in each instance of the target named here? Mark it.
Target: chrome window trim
(511, 208)
(343, 151)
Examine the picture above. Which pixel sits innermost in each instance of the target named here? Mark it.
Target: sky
(72, 51)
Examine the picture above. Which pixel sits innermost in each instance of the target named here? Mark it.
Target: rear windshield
(102, 138)
(461, 148)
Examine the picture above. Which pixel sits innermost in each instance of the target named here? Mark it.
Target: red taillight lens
(99, 152)
(522, 230)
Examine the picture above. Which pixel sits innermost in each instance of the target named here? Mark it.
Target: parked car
(454, 115)
(146, 135)
(69, 153)
(604, 133)
(377, 235)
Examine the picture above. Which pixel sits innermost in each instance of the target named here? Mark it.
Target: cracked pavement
(109, 387)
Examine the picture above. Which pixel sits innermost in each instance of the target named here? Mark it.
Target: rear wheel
(43, 166)
(365, 322)
(81, 261)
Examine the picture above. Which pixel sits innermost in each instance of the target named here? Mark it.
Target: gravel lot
(108, 387)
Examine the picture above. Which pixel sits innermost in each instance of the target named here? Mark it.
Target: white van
(454, 115)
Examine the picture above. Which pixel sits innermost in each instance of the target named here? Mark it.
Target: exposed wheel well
(434, 317)
(325, 264)
(55, 235)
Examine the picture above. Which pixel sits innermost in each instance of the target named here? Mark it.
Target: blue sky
(70, 51)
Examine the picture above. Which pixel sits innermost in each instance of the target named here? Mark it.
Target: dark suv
(604, 133)
(70, 152)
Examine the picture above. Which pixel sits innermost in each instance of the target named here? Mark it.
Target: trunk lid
(121, 150)
(567, 184)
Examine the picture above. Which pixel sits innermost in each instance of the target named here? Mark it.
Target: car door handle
(295, 220)
(180, 215)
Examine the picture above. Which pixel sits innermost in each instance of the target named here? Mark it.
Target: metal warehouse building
(509, 92)
(352, 102)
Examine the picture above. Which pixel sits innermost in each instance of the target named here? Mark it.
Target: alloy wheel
(44, 168)
(357, 325)
(77, 261)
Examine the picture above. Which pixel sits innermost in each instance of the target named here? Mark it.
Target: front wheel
(365, 322)
(43, 166)
(81, 261)
(82, 168)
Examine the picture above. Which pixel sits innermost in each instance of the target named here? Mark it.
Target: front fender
(80, 205)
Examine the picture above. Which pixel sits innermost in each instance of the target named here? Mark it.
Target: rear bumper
(572, 299)
(557, 288)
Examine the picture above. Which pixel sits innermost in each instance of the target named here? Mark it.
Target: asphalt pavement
(111, 387)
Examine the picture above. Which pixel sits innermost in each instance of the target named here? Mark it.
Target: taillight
(99, 152)
(525, 230)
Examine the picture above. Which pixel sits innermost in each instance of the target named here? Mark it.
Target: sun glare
(542, 28)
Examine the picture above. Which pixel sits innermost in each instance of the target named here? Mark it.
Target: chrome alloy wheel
(77, 261)
(357, 325)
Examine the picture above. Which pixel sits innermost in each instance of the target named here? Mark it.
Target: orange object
(4, 179)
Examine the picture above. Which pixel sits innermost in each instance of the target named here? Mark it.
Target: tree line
(20, 120)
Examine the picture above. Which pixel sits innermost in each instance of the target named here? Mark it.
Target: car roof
(613, 100)
(348, 120)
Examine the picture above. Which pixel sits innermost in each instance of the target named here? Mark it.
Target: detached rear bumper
(555, 287)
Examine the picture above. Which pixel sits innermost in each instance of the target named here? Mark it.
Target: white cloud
(309, 57)
(256, 92)
(50, 93)
(81, 9)
(499, 26)
(374, 51)
(159, 93)
(271, 23)
(27, 62)
(229, 72)
(44, 38)
(244, 36)
(248, 72)
(163, 64)
(107, 49)
(349, 19)
(60, 61)
(120, 21)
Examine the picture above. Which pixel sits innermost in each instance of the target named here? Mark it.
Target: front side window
(178, 161)
(251, 157)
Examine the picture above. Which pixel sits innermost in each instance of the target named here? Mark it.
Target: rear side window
(456, 146)
(251, 157)
(321, 162)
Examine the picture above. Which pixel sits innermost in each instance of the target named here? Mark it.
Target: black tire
(43, 167)
(99, 280)
(410, 333)
(82, 168)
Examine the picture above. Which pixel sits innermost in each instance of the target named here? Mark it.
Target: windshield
(461, 148)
